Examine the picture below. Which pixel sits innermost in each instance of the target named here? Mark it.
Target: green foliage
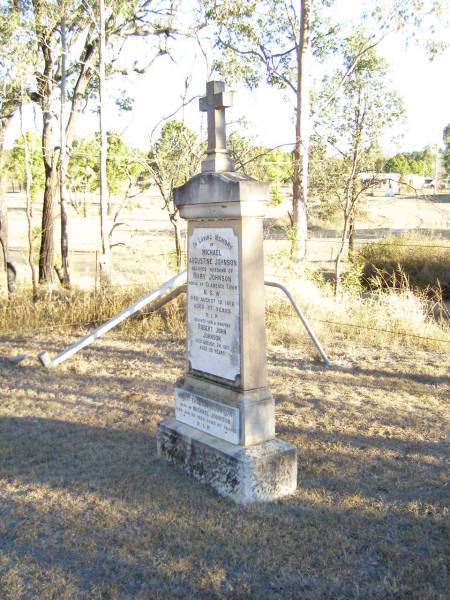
(424, 260)
(259, 162)
(124, 103)
(398, 164)
(83, 171)
(353, 124)
(425, 22)
(278, 165)
(248, 158)
(257, 39)
(124, 165)
(406, 163)
(367, 106)
(351, 279)
(174, 158)
(276, 195)
(15, 163)
(17, 56)
(325, 181)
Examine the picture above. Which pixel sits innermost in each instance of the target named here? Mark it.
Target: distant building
(389, 184)
(418, 182)
(381, 184)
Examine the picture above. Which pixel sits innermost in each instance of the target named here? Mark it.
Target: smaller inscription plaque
(209, 416)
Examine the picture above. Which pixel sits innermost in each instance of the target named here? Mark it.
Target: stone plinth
(259, 473)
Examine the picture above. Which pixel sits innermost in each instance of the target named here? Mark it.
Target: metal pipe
(311, 334)
(177, 281)
(172, 288)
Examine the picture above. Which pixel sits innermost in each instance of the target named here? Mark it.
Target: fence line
(397, 333)
(178, 310)
(374, 241)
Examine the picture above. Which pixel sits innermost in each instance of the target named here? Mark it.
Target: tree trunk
(300, 172)
(176, 227)
(45, 86)
(65, 272)
(105, 261)
(47, 249)
(45, 83)
(28, 181)
(351, 236)
(8, 267)
(338, 260)
(349, 211)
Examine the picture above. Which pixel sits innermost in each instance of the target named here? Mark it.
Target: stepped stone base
(258, 473)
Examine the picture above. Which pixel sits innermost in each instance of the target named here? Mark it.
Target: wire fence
(388, 331)
(181, 310)
(376, 241)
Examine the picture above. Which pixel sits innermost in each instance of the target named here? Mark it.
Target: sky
(424, 86)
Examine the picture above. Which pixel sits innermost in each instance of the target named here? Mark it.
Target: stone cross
(214, 104)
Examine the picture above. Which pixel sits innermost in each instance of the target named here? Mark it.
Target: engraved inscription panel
(213, 302)
(214, 418)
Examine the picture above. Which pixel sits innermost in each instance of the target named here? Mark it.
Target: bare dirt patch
(88, 511)
(146, 236)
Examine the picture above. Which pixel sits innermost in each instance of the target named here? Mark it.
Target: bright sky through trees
(424, 85)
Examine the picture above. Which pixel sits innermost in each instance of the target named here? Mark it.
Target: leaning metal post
(176, 282)
(168, 291)
(311, 334)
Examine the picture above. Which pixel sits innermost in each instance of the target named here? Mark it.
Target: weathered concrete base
(258, 473)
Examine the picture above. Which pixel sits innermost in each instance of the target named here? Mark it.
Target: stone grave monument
(223, 432)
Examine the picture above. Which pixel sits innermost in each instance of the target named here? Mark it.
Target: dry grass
(395, 315)
(423, 260)
(65, 310)
(89, 512)
(387, 316)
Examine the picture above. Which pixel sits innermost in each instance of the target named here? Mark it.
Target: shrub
(276, 195)
(423, 260)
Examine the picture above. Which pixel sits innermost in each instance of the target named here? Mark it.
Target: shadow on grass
(356, 371)
(93, 511)
(107, 392)
(441, 198)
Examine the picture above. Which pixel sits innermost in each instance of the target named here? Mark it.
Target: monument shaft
(223, 432)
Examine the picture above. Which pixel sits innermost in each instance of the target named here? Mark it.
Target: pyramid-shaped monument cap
(221, 195)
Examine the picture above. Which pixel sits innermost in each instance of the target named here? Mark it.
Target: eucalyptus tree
(174, 158)
(446, 156)
(79, 23)
(15, 164)
(365, 109)
(275, 41)
(16, 54)
(418, 162)
(271, 40)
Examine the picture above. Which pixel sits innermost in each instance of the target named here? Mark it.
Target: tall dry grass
(424, 260)
(86, 309)
(384, 316)
(397, 315)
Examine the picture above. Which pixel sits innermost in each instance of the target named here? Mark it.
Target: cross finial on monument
(214, 104)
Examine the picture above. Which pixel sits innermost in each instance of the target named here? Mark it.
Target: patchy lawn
(88, 511)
